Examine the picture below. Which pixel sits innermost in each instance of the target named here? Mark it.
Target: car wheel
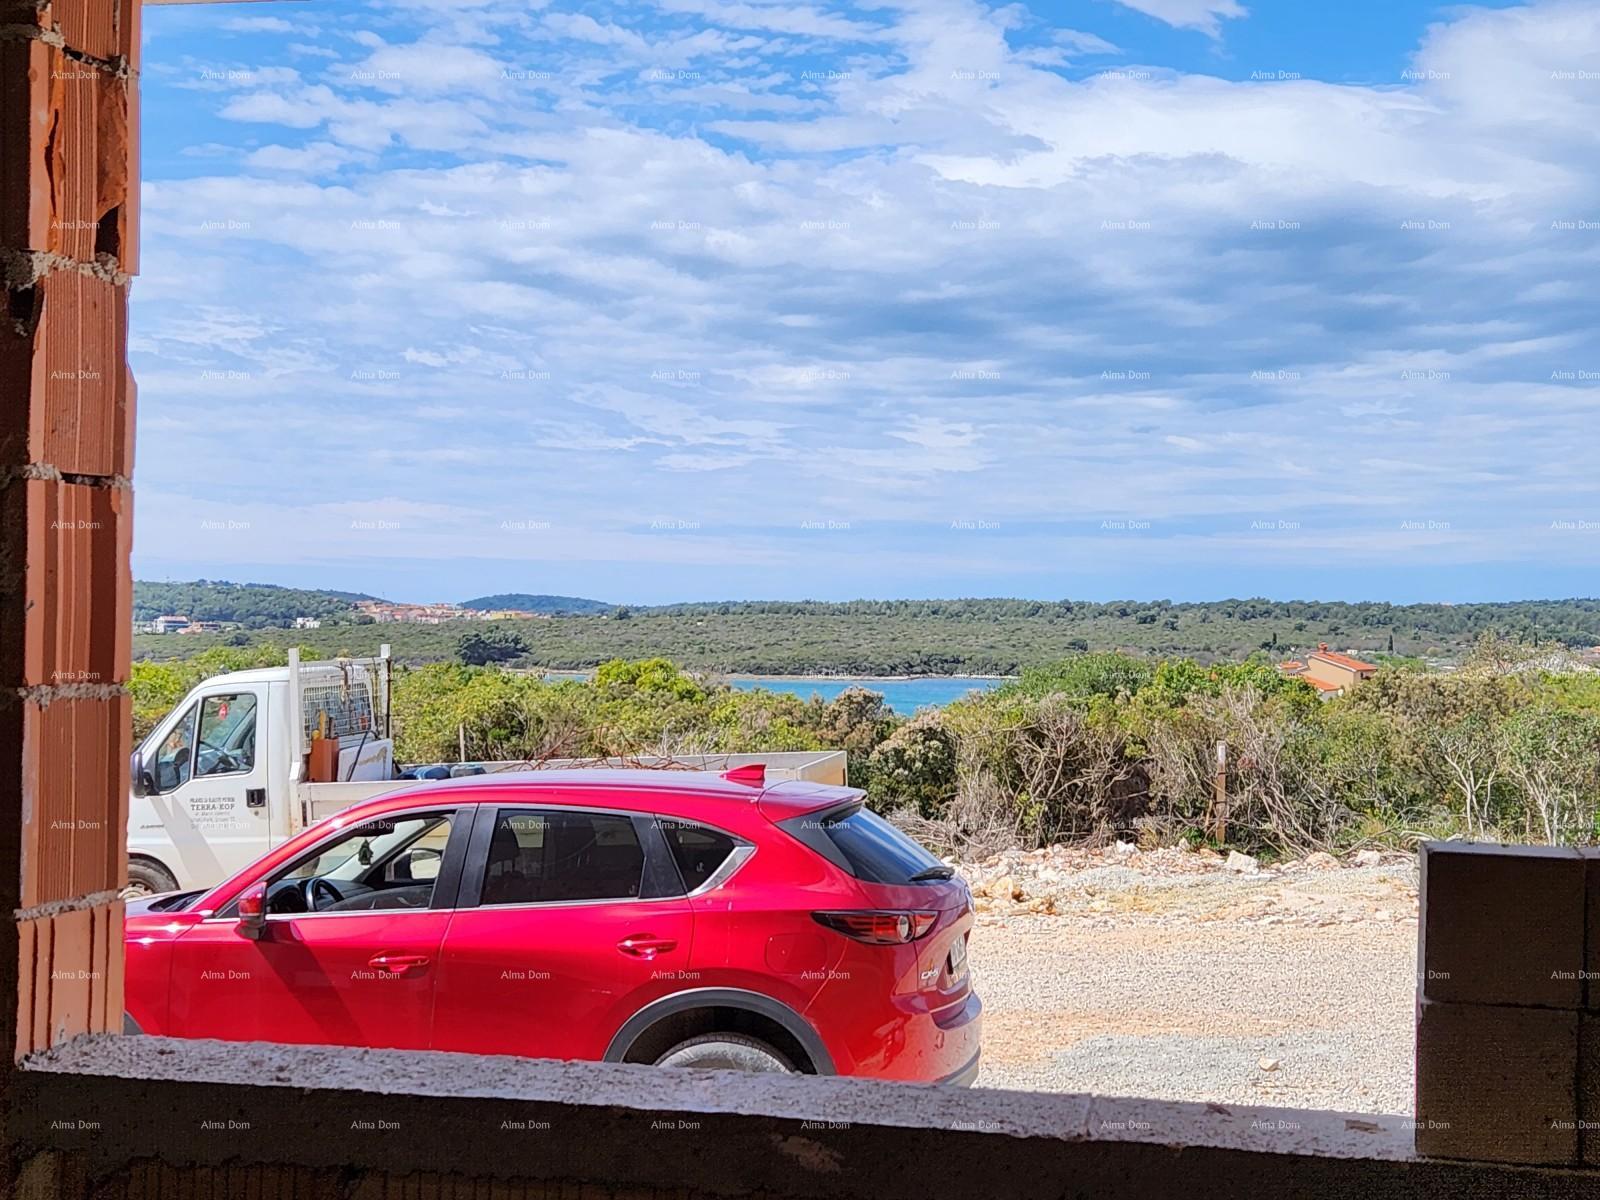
(147, 879)
(725, 1052)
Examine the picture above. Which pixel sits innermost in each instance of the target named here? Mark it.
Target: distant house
(1330, 672)
(169, 624)
(308, 622)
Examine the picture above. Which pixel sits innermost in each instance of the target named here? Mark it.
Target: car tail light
(878, 926)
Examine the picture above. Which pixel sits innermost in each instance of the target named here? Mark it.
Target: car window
(698, 851)
(407, 841)
(875, 849)
(175, 755)
(227, 740)
(548, 856)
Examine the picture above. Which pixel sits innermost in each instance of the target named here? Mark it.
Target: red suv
(678, 918)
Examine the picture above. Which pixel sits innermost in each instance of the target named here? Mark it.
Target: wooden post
(1219, 797)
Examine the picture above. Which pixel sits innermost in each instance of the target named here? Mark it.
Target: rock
(1241, 864)
(1322, 861)
(1268, 1064)
(1005, 888)
(1367, 858)
(1124, 849)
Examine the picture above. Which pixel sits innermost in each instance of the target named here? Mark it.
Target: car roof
(663, 783)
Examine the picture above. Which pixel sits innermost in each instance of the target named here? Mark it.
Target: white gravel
(1283, 988)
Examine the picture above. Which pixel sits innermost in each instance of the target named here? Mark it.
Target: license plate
(958, 957)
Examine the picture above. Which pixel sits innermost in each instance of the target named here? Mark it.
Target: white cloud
(1203, 15)
(942, 279)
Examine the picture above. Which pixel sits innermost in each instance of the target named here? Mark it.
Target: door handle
(643, 945)
(397, 964)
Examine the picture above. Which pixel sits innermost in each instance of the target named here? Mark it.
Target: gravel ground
(1291, 988)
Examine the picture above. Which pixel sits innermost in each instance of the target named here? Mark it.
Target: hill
(963, 637)
(257, 605)
(524, 602)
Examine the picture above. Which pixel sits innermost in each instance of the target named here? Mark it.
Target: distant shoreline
(854, 678)
(794, 678)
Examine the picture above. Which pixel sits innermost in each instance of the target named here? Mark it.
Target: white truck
(225, 776)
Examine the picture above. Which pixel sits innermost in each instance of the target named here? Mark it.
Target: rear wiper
(939, 872)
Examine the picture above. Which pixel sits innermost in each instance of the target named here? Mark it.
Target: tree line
(1094, 745)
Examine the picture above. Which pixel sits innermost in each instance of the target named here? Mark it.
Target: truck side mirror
(253, 912)
(139, 778)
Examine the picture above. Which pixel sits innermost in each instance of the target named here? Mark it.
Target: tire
(146, 878)
(726, 1052)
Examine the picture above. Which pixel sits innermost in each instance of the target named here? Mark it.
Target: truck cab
(228, 773)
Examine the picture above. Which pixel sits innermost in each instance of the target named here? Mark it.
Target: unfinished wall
(1508, 1004)
(68, 116)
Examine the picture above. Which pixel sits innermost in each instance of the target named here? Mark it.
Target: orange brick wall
(68, 199)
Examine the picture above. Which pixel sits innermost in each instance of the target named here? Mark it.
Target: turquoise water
(903, 695)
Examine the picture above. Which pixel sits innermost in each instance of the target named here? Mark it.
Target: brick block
(104, 29)
(64, 577)
(113, 916)
(1502, 925)
(38, 996)
(63, 361)
(1497, 1083)
(22, 985)
(64, 153)
(68, 763)
(72, 980)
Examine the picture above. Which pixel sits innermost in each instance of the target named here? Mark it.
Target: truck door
(205, 813)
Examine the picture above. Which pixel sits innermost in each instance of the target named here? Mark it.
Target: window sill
(111, 1101)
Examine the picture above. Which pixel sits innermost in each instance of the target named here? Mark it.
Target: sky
(730, 299)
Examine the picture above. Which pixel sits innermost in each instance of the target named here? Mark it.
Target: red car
(678, 918)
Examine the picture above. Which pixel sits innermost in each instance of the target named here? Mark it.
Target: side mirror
(253, 912)
(139, 777)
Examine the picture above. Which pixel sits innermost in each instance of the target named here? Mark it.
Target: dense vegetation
(1091, 745)
(525, 602)
(255, 605)
(978, 637)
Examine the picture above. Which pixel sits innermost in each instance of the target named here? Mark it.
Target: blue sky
(706, 299)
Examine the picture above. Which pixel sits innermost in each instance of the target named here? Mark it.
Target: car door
(570, 920)
(208, 796)
(360, 973)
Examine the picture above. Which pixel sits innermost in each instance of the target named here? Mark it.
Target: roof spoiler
(751, 775)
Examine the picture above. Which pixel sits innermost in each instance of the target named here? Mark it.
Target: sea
(903, 695)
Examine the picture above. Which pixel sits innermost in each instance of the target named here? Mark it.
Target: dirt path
(1289, 988)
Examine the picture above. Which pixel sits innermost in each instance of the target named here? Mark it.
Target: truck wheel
(725, 1052)
(146, 878)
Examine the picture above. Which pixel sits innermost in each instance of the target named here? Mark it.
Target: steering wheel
(224, 759)
(315, 884)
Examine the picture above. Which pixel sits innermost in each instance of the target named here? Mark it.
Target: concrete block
(1591, 963)
(1501, 925)
(1497, 1083)
(1589, 1088)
